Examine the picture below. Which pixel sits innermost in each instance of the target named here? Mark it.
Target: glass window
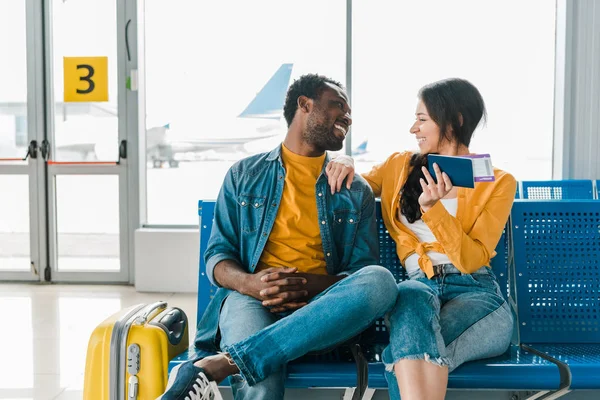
(13, 79)
(21, 131)
(505, 48)
(85, 131)
(87, 222)
(14, 208)
(14, 224)
(206, 68)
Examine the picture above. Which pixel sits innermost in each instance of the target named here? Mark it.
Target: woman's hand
(337, 170)
(432, 191)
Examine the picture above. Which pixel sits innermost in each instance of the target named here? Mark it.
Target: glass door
(19, 250)
(87, 158)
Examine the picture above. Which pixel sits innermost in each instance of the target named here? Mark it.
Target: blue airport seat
(517, 369)
(206, 290)
(500, 262)
(598, 189)
(583, 361)
(557, 269)
(575, 189)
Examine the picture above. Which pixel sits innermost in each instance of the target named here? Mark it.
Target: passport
(463, 171)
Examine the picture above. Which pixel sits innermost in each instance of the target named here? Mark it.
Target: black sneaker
(188, 382)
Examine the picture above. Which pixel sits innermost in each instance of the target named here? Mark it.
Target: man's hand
(276, 287)
(433, 192)
(282, 282)
(281, 289)
(282, 301)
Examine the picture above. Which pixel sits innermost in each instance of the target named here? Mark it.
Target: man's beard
(320, 133)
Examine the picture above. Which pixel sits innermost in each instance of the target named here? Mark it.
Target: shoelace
(202, 389)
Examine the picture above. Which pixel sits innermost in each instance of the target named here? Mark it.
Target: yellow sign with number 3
(86, 79)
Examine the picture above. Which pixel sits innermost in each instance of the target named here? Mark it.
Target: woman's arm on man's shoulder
(342, 168)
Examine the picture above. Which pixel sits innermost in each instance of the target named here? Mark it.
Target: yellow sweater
(469, 239)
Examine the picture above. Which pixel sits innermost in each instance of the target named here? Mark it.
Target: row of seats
(574, 189)
(549, 262)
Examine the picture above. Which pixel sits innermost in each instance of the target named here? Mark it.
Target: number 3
(88, 79)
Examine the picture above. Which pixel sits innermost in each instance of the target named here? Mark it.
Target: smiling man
(295, 265)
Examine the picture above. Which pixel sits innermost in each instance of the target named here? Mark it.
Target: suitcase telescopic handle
(142, 319)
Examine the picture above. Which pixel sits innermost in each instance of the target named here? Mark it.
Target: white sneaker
(188, 382)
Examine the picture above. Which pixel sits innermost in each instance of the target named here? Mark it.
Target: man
(295, 264)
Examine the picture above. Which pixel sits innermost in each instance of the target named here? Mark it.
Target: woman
(451, 309)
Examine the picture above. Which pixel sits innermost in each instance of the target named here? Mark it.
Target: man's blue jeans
(447, 320)
(262, 343)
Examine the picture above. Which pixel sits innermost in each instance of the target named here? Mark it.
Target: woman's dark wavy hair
(447, 101)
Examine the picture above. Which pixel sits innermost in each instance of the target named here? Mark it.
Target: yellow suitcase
(128, 354)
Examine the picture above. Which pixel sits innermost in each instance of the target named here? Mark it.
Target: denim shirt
(245, 212)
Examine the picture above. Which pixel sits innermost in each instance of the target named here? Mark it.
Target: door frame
(34, 166)
(121, 169)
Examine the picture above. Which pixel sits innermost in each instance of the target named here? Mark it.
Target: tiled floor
(44, 331)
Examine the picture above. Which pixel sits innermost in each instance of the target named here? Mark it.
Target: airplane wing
(213, 144)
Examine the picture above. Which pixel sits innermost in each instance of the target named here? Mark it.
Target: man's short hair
(309, 85)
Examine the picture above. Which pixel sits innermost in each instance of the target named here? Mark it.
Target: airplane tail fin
(268, 103)
(361, 148)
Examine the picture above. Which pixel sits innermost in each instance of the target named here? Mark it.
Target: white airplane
(170, 144)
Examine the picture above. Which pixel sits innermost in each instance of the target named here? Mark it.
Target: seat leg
(349, 393)
(362, 372)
